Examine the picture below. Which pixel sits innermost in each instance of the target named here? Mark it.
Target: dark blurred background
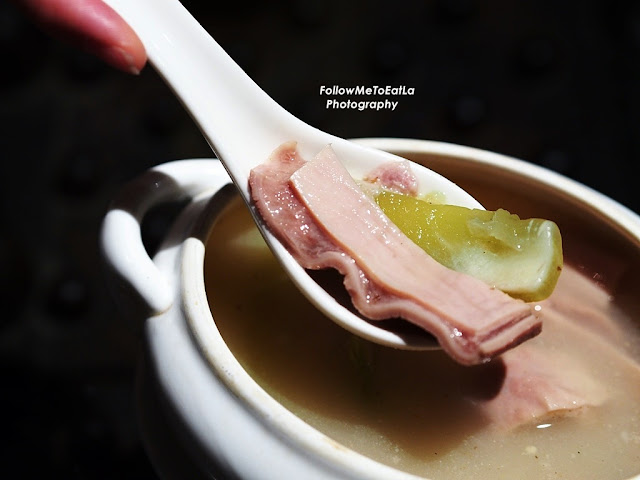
(554, 83)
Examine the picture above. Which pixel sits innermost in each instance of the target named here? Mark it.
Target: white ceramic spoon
(244, 125)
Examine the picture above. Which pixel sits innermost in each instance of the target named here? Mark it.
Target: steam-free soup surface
(420, 411)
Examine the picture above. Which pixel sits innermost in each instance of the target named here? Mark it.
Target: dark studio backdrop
(556, 83)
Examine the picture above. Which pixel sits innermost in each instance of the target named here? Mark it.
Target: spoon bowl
(243, 125)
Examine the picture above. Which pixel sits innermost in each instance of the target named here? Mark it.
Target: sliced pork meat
(395, 176)
(317, 210)
(547, 378)
(540, 384)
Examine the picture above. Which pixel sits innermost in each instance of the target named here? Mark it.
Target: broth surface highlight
(408, 409)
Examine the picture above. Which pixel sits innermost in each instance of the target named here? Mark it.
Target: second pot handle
(121, 239)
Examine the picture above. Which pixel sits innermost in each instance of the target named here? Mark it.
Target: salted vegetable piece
(520, 257)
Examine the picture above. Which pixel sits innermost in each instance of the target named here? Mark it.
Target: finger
(93, 26)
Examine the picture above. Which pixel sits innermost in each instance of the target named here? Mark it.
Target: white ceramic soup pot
(201, 414)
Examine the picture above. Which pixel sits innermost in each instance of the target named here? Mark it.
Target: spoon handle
(238, 119)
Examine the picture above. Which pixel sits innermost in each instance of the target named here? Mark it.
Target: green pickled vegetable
(520, 257)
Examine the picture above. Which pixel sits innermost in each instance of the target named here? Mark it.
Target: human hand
(92, 26)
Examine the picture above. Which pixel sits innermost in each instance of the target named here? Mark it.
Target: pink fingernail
(120, 58)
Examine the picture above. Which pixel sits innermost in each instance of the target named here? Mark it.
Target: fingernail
(120, 58)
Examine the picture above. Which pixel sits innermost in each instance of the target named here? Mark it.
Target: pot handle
(121, 240)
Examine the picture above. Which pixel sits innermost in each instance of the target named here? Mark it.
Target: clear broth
(406, 409)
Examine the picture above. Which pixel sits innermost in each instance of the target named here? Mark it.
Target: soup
(419, 411)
